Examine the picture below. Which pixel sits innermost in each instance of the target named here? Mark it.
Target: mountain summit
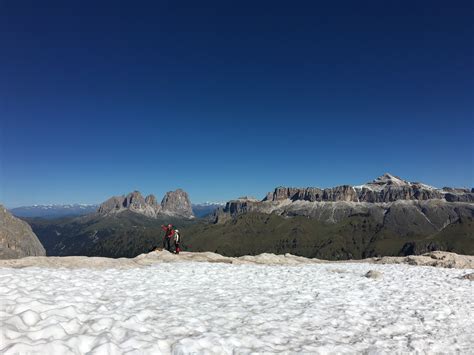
(388, 180)
(174, 203)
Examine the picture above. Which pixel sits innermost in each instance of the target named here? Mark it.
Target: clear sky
(230, 98)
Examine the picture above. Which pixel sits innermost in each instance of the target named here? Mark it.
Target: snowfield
(218, 308)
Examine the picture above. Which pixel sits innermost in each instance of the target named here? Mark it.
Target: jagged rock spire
(175, 203)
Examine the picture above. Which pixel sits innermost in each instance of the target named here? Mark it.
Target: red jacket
(169, 232)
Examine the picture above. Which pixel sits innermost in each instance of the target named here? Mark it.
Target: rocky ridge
(386, 188)
(408, 207)
(434, 259)
(174, 203)
(17, 240)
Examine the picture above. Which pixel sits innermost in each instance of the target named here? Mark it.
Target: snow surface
(190, 307)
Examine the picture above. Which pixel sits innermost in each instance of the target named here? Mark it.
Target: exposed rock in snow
(435, 258)
(373, 274)
(469, 277)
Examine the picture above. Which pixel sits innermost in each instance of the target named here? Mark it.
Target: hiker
(177, 240)
(169, 232)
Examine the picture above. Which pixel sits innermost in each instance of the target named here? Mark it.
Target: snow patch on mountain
(210, 203)
(389, 180)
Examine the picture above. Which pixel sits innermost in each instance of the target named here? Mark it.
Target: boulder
(373, 274)
(469, 277)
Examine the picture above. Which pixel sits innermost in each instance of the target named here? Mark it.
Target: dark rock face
(384, 189)
(407, 218)
(465, 197)
(17, 240)
(113, 203)
(151, 200)
(240, 206)
(457, 190)
(311, 194)
(283, 193)
(414, 248)
(419, 193)
(134, 200)
(340, 193)
(177, 202)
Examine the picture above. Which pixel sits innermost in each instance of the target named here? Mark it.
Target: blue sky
(229, 98)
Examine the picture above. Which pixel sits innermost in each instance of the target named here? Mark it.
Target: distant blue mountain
(203, 209)
(53, 211)
(70, 210)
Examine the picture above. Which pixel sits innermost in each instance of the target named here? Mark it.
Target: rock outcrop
(175, 203)
(374, 274)
(469, 277)
(435, 259)
(17, 240)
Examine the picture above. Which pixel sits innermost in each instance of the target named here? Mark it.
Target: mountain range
(386, 216)
(174, 203)
(384, 199)
(54, 211)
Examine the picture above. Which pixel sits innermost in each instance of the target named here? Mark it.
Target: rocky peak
(388, 180)
(151, 200)
(177, 203)
(174, 203)
(134, 200)
(115, 203)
